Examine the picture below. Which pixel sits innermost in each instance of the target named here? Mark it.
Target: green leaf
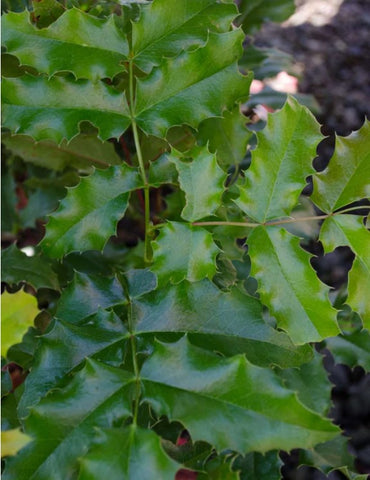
(46, 12)
(229, 323)
(289, 287)
(226, 136)
(16, 267)
(184, 252)
(280, 163)
(352, 349)
(229, 402)
(347, 177)
(9, 214)
(89, 214)
(126, 454)
(255, 466)
(77, 42)
(82, 151)
(53, 108)
(255, 12)
(86, 294)
(63, 423)
(12, 441)
(18, 313)
(201, 179)
(158, 35)
(211, 85)
(348, 230)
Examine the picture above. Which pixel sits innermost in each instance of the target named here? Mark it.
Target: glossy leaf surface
(281, 162)
(347, 177)
(289, 287)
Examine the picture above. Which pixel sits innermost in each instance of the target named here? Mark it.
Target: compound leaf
(53, 108)
(348, 230)
(280, 163)
(16, 267)
(125, 454)
(289, 287)
(157, 35)
(89, 214)
(77, 42)
(229, 402)
(347, 177)
(202, 181)
(184, 252)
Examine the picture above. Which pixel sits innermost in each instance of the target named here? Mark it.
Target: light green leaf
(229, 402)
(352, 349)
(77, 42)
(86, 294)
(347, 177)
(255, 12)
(184, 252)
(53, 108)
(82, 151)
(16, 267)
(201, 179)
(18, 311)
(349, 230)
(158, 35)
(289, 287)
(212, 84)
(226, 136)
(280, 163)
(63, 423)
(126, 454)
(229, 323)
(89, 214)
(12, 441)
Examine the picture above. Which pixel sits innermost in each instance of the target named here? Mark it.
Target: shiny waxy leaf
(16, 267)
(157, 34)
(63, 423)
(82, 151)
(126, 454)
(12, 441)
(280, 163)
(77, 42)
(347, 177)
(255, 466)
(289, 287)
(18, 311)
(202, 181)
(348, 230)
(352, 349)
(212, 84)
(230, 323)
(88, 215)
(229, 402)
(184, 252)
(53, 108)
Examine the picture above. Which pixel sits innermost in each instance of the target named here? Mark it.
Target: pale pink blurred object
(283, 82)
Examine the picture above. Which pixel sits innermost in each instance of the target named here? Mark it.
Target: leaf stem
(147, 248)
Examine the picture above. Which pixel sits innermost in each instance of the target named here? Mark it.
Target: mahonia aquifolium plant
(174, 291)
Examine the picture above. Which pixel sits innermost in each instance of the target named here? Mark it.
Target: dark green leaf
(255, 12)
(255, 466)
(352, 349)
(46, 12)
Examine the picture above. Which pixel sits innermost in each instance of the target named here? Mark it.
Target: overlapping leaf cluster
(135, 353)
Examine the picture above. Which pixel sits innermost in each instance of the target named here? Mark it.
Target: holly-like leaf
(202, 181)
(255, 12)
(77, 42)
(89, 214)
(255, 466)
(226, 136)
(125, 454)
(229, 323)
(86, 294)
(157, 35)
(352, 349)
(229, 402)
(16, 267)
(347, 177)
(53, 108)
(12, 441)
(289, 287)
(82, 151)
(46, 12)
(280, 163)
(18, 311)
(63, 423)
(184, 252)
(348, 230)
(211, 85)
